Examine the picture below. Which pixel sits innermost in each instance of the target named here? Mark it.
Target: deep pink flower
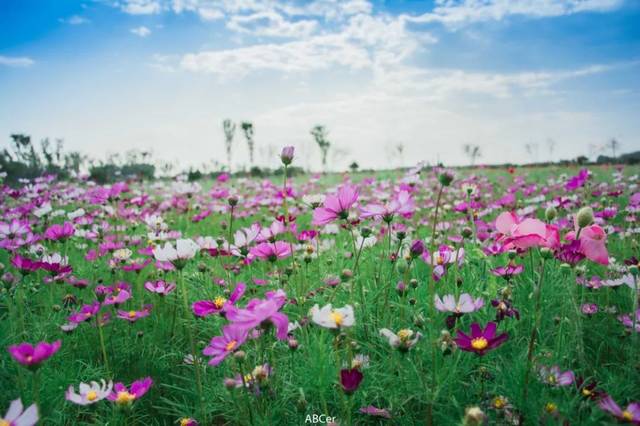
(123, 396)
(271, 251)
(15, 234)
(262, 312)
(233, 336)
(350, 379)
(85, 313)
(336, 206)
(593, 242)
(32, 356)
(203, 308)
(525, 233)
(24, 264)
(480, 341)
(59, 232)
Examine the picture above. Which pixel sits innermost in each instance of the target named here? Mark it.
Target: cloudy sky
(562, 76)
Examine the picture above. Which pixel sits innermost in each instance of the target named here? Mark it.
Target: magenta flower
(117, 296)
(133, 316)
(85, 313)
(336, 206)
(629, 415)
(271, 251)
(123, 396)
(159, 287)
(507, 272)
(262, 312)
(350, 379)
(15, 234)
(525, 233)
(554, 377)
(203, 308)
(32, 356)
(24, 264)
(221, 346)
(627, 320)
(59, 232)
(589, 308)
(593, 242)
(480, 341)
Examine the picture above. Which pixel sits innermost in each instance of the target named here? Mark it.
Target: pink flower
(593, 242)
(133, 316)
(123, 396)
(401, 204)
(629, 415)
(262, 312)
(271, 251)
(15, 234)
(554, 377)
(17, 417)
(86, 313)
(203, 308)
(32, 356)
(160, 287)
(336, 206)
(59, 232)
(525, 233)
(221, 346)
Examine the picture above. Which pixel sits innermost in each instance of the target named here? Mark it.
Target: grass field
(88, 266)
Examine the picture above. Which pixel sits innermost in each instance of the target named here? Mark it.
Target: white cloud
(458, 12)
(141, 31)
(75, 20)
(141, 7)
(14, 61)
(271, 24)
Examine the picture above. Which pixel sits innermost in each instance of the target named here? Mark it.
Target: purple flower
(504, 308)
(507, 272)
(271, 251)
(480, 341)
(554, 377)
(133, 316)
(442, 258)
(589, 308)
(32, 356)
(629, 415)
(375, 411)
(123, 396)
(336, 206)
(350, 379)
(203, 308)
(221, 346)
(286, 156)
(85, 313)
(262, 312)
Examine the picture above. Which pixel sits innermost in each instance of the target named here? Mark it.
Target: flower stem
(534, 332)
(102, 347)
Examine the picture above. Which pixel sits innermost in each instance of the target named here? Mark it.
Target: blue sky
(110, 75)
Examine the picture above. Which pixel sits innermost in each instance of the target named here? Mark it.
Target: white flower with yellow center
(404, 340)
(122, 254)
(89, 393)
(329, 317)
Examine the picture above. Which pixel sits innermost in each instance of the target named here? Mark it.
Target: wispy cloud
(14, 61)
(141, 31)
(74, 20)
(458, 12)
(141, 7)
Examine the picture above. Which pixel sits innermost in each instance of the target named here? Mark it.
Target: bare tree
(551, 146)
(320, 133)
(247, 128)
(229, 128)
(473, 152)
(613, 145)
(532, 150)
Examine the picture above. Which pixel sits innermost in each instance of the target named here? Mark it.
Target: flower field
(422, 296)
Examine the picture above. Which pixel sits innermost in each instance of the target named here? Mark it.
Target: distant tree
(532, 150)
(319, 134)
(473, 152)
(354, 167)
(229, 128)
(613, 145)
(551, 146)
(247, 128)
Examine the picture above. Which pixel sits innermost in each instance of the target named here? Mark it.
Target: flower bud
(365, 232)
(546, 253)
(633, 269)
(467, 232)
(402, 266)
(286, 155)
(232, 200)
(473, 416)
(240, 355)
(229, 383)
(585, 217)
(417, 248)
(550, 213)
(445, 178)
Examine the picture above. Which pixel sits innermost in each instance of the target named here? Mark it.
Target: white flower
(16, 417)
(43, 210)
(207, 243)
(333, 318)
(76, 214)
(404, 340)
(185, 249)
(89, 394)
(122, 254)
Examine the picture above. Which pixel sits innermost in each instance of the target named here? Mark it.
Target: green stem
(102, 347)
(534, 332)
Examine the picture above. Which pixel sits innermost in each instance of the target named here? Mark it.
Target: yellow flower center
(405, 334)
(248, 378)
(124, 398)
(4, 422)
(132, 314)
(479, 343)
(552, 379)
(551, 407)
(337, 317)
(92, 395)
(219, 302)
(499, 403)
(586, 392)
(185, 421)
(439, 259)
(231, 345)
(626, 414)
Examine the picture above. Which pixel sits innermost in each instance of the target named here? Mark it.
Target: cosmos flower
(481, 340)
(442, 258)
(375, 411)
(404, 340)
(160, 287)
(523, 233)
(86, 313)
(89, 393)
(332, 318)
(133, 316)
(465, 304)
(233, 336)
(554, 377)
(627, 321)
(184, 250)
(59, 232)
(336, 206)
(350, 379)
(262, 312)
(15, 234)
(631, 414)
(123, 396)
(17, 416)
(203, 308)
(401, 204)
(507, 272)
(271, 251)
(593, 242)
(32, 356)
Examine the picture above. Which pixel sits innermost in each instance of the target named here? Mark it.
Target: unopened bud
(550, 213)
(585, 217)
(473, 416)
